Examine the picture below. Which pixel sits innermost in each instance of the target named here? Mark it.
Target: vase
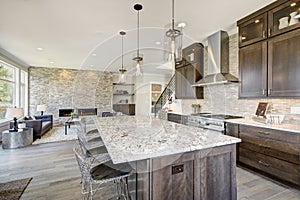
(293, 20)
(196, 109)
(283, 22)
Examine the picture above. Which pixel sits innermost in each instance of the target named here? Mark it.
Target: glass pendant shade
(138, 59)
(122, 77)
(174, 40)
(138, 69)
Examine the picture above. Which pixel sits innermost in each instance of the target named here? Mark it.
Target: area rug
(13, 190)
(57, 134)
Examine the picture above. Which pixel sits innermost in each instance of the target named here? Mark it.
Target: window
(13, 88)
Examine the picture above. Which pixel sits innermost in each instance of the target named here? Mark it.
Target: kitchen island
(171, 161)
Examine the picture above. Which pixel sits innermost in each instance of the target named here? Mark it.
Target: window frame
(19, 88)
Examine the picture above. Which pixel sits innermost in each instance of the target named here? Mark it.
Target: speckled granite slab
(132, 138)
(283, 127)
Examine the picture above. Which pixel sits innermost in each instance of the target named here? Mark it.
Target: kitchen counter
(131, 138)
(168, 157)
(283, 127)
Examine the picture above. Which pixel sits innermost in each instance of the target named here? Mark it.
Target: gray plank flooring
(56, 175)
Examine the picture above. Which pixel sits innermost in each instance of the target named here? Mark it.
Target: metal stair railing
(165, 95)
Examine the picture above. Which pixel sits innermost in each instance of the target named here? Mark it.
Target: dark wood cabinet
(126, 109)
(203, 174)
(188, 72)
(253, 30)
(283, 18)
(284, 65)
(214, 174)
(177, 118)
(168, 178)
(273, 152)
(233, 130)
(253, 70)
(269, 51)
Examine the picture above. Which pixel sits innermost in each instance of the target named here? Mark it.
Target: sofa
(41, 124)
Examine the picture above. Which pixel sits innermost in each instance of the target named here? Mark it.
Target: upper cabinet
(283, 18)
(284, 65)
(269, 42)
(253, 30)
(188, 72)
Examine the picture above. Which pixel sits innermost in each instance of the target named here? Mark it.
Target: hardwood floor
(56, 175)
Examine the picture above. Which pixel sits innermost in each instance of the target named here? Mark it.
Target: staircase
(165, 95)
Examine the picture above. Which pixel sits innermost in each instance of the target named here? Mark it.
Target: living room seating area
(41, 124)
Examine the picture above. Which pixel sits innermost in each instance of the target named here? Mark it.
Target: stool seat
(105, 172)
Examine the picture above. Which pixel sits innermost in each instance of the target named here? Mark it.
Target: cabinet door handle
(264, 91)
(264, 34)
(263, 163)
(269, 32)
(269, 91)
(265, 133)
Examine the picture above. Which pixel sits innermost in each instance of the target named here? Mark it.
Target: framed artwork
(261, 109)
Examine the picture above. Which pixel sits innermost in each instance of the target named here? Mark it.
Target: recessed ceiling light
(51, 62)
(257, 21)
(181, 25)
(158, 43)
(293, 4)
(39, 49)
(94, 54)
(91, 65)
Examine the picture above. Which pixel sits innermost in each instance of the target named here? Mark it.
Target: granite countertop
(285, 126)
(132, 138)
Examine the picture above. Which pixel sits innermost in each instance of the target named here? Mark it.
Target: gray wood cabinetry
(253, 70)
(177, 118)
(233, 130)
(126, 109)
(283, 65)
(204, 174)
(273, 152)
(188, 72)
(269, 49)
(253, 30)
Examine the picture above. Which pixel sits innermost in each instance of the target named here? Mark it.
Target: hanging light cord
(138, 33)
(122, 50)
(173, 20)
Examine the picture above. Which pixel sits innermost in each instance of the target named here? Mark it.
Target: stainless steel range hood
(218, 61)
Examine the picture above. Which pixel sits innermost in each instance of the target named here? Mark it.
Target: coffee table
(69, 122)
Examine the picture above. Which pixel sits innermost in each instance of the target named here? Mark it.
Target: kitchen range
(209, 121)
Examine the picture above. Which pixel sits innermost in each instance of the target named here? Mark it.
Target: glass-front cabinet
(253, 30)
(284, 18)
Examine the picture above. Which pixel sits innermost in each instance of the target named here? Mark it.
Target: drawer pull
(265, 133)
(263, 163)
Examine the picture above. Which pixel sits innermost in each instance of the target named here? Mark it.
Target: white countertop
(285, 126)
(132, 138)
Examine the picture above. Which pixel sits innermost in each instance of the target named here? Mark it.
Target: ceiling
(84, 34)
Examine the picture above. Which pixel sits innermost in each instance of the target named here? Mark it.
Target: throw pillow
(22, 119)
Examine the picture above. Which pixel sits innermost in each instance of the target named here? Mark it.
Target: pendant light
(138, 59)
(122, 71)
(174, 41)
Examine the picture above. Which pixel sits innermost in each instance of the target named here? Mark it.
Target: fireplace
(79, 112)
(65, 112)
(87, 111)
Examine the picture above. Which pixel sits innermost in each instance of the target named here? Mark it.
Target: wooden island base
(202, 174)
